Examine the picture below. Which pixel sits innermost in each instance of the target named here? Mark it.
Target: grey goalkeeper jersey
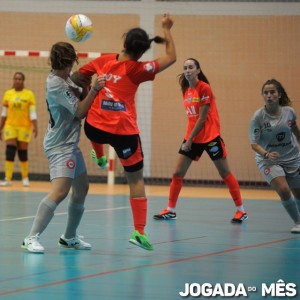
(63, 131)
(274, 133)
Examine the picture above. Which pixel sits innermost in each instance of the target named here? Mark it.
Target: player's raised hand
(167, 21)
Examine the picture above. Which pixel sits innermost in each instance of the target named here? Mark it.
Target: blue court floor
(201, 248)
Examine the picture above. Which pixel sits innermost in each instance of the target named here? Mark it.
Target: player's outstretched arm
(170, 53)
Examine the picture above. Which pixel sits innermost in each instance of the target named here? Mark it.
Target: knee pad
(10, 152)
(23, 155)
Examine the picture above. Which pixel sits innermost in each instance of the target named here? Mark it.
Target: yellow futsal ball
(79, 28)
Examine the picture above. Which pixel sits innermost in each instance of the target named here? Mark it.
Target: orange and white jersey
(19, 104)
(193, 99)
(114, 108)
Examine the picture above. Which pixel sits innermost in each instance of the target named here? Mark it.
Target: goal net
(239, 46)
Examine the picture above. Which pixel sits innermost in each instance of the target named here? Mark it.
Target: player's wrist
(266, 155)
(96, 91)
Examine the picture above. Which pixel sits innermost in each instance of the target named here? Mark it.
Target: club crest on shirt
(149, 67)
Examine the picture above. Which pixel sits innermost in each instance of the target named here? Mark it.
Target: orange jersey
(18, 105)
(114, 108)
(193, 99)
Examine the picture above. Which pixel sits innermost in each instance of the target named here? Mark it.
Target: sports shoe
(31, 243)
(296, 229)
(239, 217)
(5, 183)
(74, 243)
(165, 214)
(140, 240)
(101, 162)
(25, 182)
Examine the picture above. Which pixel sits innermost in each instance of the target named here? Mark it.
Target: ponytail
(158, 40)
(137, 42)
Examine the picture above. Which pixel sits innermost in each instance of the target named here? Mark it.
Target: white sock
(241, 208)
(171, 209)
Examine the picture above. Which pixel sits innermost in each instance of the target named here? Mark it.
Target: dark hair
(137, 42)
(62, 55)
(183, 81)
(21, 74)
(284, 99)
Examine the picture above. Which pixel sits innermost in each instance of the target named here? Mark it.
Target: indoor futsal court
(201, 246)
(240, 45)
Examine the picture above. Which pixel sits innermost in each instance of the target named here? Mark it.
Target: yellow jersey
(19, 104)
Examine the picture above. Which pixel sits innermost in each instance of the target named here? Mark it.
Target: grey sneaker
(74, 243)
(31, 243)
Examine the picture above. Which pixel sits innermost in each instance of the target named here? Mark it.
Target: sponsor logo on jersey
(191, 111)
(280, 136)
(214, 149)
(108, 92)
(212, 144)
(127, 152)
(112, 77)
(112, 105)
(69, 96)
(204, 98)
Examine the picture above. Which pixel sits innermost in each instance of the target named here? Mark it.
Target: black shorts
(215, 149)
(127, 147)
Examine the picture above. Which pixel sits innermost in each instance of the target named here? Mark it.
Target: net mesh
(36, 70)
(238, 53)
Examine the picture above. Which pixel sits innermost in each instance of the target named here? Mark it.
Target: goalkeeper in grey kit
(275, 137)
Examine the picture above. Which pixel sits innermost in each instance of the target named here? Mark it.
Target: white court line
(65, 213)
